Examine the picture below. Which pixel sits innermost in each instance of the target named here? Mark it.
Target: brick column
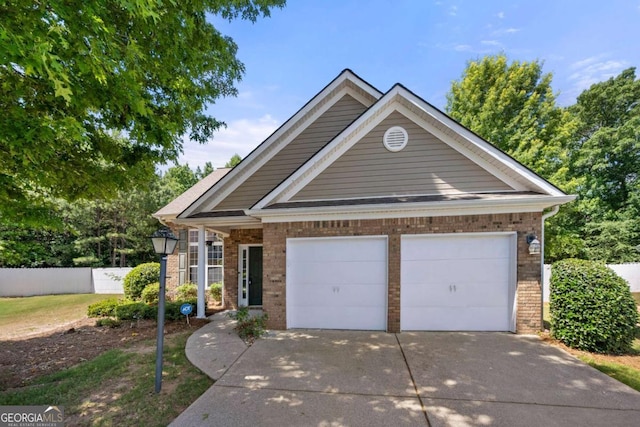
(393, 284)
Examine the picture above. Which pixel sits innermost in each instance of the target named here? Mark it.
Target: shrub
(249, 327)
(187, 291)
(105, 308)
(591, 307)
(135, 311)
(108, 322)
(151, 293)
(138, 278)
(216, 291)
(172, 310)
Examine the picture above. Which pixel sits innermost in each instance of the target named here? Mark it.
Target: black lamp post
(164, 243)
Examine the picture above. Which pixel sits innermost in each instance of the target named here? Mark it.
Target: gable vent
(395, 138)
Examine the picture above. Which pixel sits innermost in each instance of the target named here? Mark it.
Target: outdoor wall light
(534, 244)
(164, 243)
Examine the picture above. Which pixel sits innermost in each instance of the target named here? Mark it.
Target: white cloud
(588, 71)
(240, 136)
(453, 10)
(462, 48)
(504, 31)
(500, 15)
(593, 70)
(490, 43)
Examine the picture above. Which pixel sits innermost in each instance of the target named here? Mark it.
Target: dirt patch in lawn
(632, 360)
(26, 358)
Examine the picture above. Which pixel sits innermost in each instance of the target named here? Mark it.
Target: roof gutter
(554, 210)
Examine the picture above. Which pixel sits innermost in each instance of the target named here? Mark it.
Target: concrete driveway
(347, 378)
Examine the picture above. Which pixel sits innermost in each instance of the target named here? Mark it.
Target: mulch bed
(24, 359)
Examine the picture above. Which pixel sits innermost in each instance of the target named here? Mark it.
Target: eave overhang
(535, 203)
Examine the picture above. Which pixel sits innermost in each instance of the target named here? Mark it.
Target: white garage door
(337, 283)
(457, 282)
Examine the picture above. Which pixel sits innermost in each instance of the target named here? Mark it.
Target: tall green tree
(512, 105)
(606, 164)
(94, 93)
(98, 233)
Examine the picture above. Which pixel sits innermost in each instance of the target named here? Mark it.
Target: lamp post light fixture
(164, 243)
(534, 244)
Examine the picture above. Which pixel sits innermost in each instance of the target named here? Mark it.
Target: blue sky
(423, 44)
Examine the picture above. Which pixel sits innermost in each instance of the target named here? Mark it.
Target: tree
(94, 93)
(605, 162)
(513, 106)
(201, 173)
(233, 161)
(607, 147)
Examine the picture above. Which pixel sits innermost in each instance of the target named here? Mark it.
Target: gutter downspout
(554, 210)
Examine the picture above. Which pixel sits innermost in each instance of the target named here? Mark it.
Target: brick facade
(237, 237)
(528, 292)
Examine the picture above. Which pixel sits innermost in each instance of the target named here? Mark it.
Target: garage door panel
(338, 250)
(337, 283)
(463, 247)
(336, 295)
(341, 272)
(424, 295)
(334, 318)
(454, 271)
(452, 319)
(456, 282)
(445, 296)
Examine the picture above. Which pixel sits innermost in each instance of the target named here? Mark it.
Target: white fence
(22, 282)
(629, 272)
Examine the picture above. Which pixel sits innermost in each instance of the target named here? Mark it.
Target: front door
(250, 275)
(255, 275)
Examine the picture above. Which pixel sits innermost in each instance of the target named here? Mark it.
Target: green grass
(19, 316)
(624, 374)
(117, 388)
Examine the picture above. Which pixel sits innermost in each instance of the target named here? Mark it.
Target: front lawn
(30, 315)
(117, 387)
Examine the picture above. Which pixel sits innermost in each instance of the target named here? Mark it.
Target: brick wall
(528, 293)
(172, 266)
(236, 237)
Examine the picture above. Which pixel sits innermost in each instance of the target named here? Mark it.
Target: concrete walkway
(360, 378)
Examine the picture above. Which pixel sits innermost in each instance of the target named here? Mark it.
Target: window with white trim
(213, 246)
(214, 258)
(193, 256)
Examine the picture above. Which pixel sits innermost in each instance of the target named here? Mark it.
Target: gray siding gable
(426, 166)
(296, 153)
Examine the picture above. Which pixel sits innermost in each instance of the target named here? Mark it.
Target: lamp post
(164, 242)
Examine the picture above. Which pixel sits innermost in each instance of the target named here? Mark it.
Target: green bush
(249, 327)
(591, 307)
(135, 311)
(151, 293)
(139, 278)
(187, 291)
(216, 291)
(105, 308)
(172, 309)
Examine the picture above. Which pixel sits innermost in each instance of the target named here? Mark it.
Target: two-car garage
(461, 281)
